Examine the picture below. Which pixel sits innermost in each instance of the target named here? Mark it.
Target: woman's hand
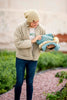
(36, 38)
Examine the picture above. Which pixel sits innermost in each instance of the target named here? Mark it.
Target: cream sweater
(23, 43)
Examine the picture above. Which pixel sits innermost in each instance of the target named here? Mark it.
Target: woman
(27, 52)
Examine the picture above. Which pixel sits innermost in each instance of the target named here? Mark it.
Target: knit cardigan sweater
(23, 43)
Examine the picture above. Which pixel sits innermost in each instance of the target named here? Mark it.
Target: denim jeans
(20, 70)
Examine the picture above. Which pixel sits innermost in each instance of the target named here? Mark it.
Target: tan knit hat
(31, 15)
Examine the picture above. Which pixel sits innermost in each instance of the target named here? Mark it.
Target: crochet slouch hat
(31, 15)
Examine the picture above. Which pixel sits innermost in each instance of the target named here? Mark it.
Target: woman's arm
(42, 32)
(19, 43)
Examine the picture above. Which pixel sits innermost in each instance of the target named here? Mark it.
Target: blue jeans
(20, 70)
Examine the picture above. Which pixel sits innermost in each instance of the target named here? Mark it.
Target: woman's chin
(35, 26)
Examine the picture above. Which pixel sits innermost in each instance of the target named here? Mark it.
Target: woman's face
(34, 24)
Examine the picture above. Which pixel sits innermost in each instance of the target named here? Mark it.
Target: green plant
(62, 94)
(62, 75)
(49, 60)
(7, 71)
(59, 95)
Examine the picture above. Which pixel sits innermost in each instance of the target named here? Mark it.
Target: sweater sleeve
(20, 43)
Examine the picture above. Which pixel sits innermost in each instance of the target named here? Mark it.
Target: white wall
(53, 16)
(44, 5)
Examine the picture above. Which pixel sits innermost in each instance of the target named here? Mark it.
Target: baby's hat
(31, 15)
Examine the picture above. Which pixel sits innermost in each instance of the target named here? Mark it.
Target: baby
(48, 42)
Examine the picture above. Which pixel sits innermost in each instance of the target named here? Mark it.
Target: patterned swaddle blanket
(46, 40)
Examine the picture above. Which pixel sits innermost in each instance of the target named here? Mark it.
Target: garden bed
(46, 61)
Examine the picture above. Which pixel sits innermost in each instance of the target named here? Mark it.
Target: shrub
(62, 94)
(62, 75)
(58, 95)
(7, 71)
(48, 60)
